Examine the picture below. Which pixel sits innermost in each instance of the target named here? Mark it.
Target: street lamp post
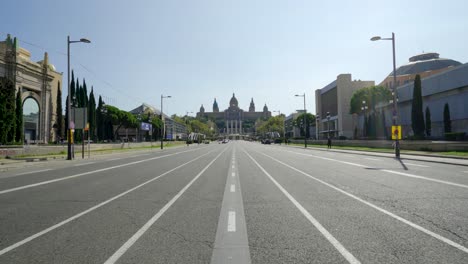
(364, 109)
(317, 122)
(305, 123)
(186, 115)
(163, 128)
(328, 123)
(69, 152)
(394, 86)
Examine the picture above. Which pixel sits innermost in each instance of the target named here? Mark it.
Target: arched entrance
(31, 119)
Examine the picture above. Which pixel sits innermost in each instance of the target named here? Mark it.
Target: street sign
(396, 132)
(87, 127)
(80, 117)
(145, 126)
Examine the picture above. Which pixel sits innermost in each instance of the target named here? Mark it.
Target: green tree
(19, 117)
(7, 111)
(417, 116)
(447, 120)
(92, 115)
(120, 119)
(372, 95)
(428, 122)
(100, 122)
(299, 122)
(59, 119)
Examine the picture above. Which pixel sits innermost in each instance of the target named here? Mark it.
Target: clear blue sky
(195, 50)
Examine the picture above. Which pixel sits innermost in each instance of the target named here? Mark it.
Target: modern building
(234, 120)
(39, 83)
(425, 64)
(335, 99)
(447, 87)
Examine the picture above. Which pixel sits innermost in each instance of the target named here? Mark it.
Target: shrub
(455, 136)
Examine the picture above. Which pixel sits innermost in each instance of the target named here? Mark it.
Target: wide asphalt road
(240, 202)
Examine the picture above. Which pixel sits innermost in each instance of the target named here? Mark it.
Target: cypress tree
(72, 90)
(428, 122)
(19, 117)
(92, 114)
(7, 111)
(417, 117)
(85, 94)
(447, 121)
(100, 120)
(59, 120)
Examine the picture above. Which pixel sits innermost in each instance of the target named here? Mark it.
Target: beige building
(335, 99)
(38, 83)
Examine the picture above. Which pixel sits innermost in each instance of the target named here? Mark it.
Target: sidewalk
(406, 155)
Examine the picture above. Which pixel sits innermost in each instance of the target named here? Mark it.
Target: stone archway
(31, 117)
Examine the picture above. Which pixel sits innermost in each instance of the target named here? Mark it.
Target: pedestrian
(329, 142)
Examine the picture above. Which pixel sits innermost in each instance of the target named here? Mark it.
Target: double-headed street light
(395, 103)
(83, 40)
(305, 123)
(163, 127)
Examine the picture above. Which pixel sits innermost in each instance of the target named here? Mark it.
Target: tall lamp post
(186, 115)
(305, 123)
(364, 109)
(394, 86)
(328, 123)
(317, 123)
(162, 119)
(83, 40)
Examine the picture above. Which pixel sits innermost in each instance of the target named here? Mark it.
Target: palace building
(234, 120)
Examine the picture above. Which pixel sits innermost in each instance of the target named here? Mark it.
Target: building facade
(335, 99)
(448, 87)
(39, 83)
(234, 120)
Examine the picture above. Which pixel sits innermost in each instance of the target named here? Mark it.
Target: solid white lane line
(231, 227)
(114, 159)
(31, 172)
(390, 171)
(87, 173)
(83, 164)
(233, 174)
(66, 221)
(233, 188)
(116, 256)
(372, 159)
(465, 171)
(344, 252)
(417, 165)
(418, 227)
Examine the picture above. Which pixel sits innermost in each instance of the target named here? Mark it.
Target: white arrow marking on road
(233, 188)
(372, 159)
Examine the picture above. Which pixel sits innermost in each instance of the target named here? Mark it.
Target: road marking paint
(83, 164)
(66, 221)
(233, 166)
(114, 159)
(417, 165)
(127, 245)
(401, 219)
(372, 159)
(390, 171)
(31, 172)
(465, 171)
(87, 173)
(233, 188)
(231, 226)
(344, 252)
(233, 174)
